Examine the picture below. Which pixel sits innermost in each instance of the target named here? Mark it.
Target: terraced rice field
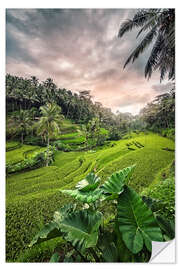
(21, 152)
(33, 196)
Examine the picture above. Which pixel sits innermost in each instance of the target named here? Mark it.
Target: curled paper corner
(163, 252)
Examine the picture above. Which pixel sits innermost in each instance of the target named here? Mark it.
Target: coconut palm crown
(50, 121)
(22, 121)
(159, 28)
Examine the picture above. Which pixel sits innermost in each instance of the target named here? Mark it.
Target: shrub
(34, 141)
(164, 191)
(12, 132)
(136, 131)
(101, 139)
(62, 146)
(115, 134)
(169, 133)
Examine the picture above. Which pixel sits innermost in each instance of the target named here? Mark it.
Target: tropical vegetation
(128, 234)
(43, 130)
(84, 184)
(159, 28)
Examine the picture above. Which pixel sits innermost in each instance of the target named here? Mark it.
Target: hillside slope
(33, 196)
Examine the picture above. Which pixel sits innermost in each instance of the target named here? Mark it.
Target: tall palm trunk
(68, 111)
(22, 138)
(80, 112)
(47, 160)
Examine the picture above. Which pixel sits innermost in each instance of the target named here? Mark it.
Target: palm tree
(34, 81)
(159, 26)
(11, 83)
(22, 121)
(49, 122)
(49, 89)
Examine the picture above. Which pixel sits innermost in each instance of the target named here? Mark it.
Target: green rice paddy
(33, 196)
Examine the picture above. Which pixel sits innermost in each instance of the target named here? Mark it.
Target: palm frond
(171, 75)
(154, 57)
(148, 25)
(142, 46)
(161, 23)
(171, 38)
(162, 73)
(139, 19)
(144, 15)
(128, 25)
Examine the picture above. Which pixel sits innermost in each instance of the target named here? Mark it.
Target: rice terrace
(84, 182)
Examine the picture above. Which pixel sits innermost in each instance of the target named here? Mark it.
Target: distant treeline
(22, 93)
(160, 113)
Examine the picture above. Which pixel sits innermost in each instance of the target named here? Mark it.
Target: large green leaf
(55, 258)
(63, 212)
(91, 182)
(110, 253)
(49, 231)
(81, 228)
(68, 257)
(115, 183)
(167, 227)
(107, 246)
(136, 222)
(124, 254)
(85, 197)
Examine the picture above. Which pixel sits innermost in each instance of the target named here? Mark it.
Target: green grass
(33, 196)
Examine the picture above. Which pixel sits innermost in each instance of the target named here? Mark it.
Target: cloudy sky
(79, 50)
